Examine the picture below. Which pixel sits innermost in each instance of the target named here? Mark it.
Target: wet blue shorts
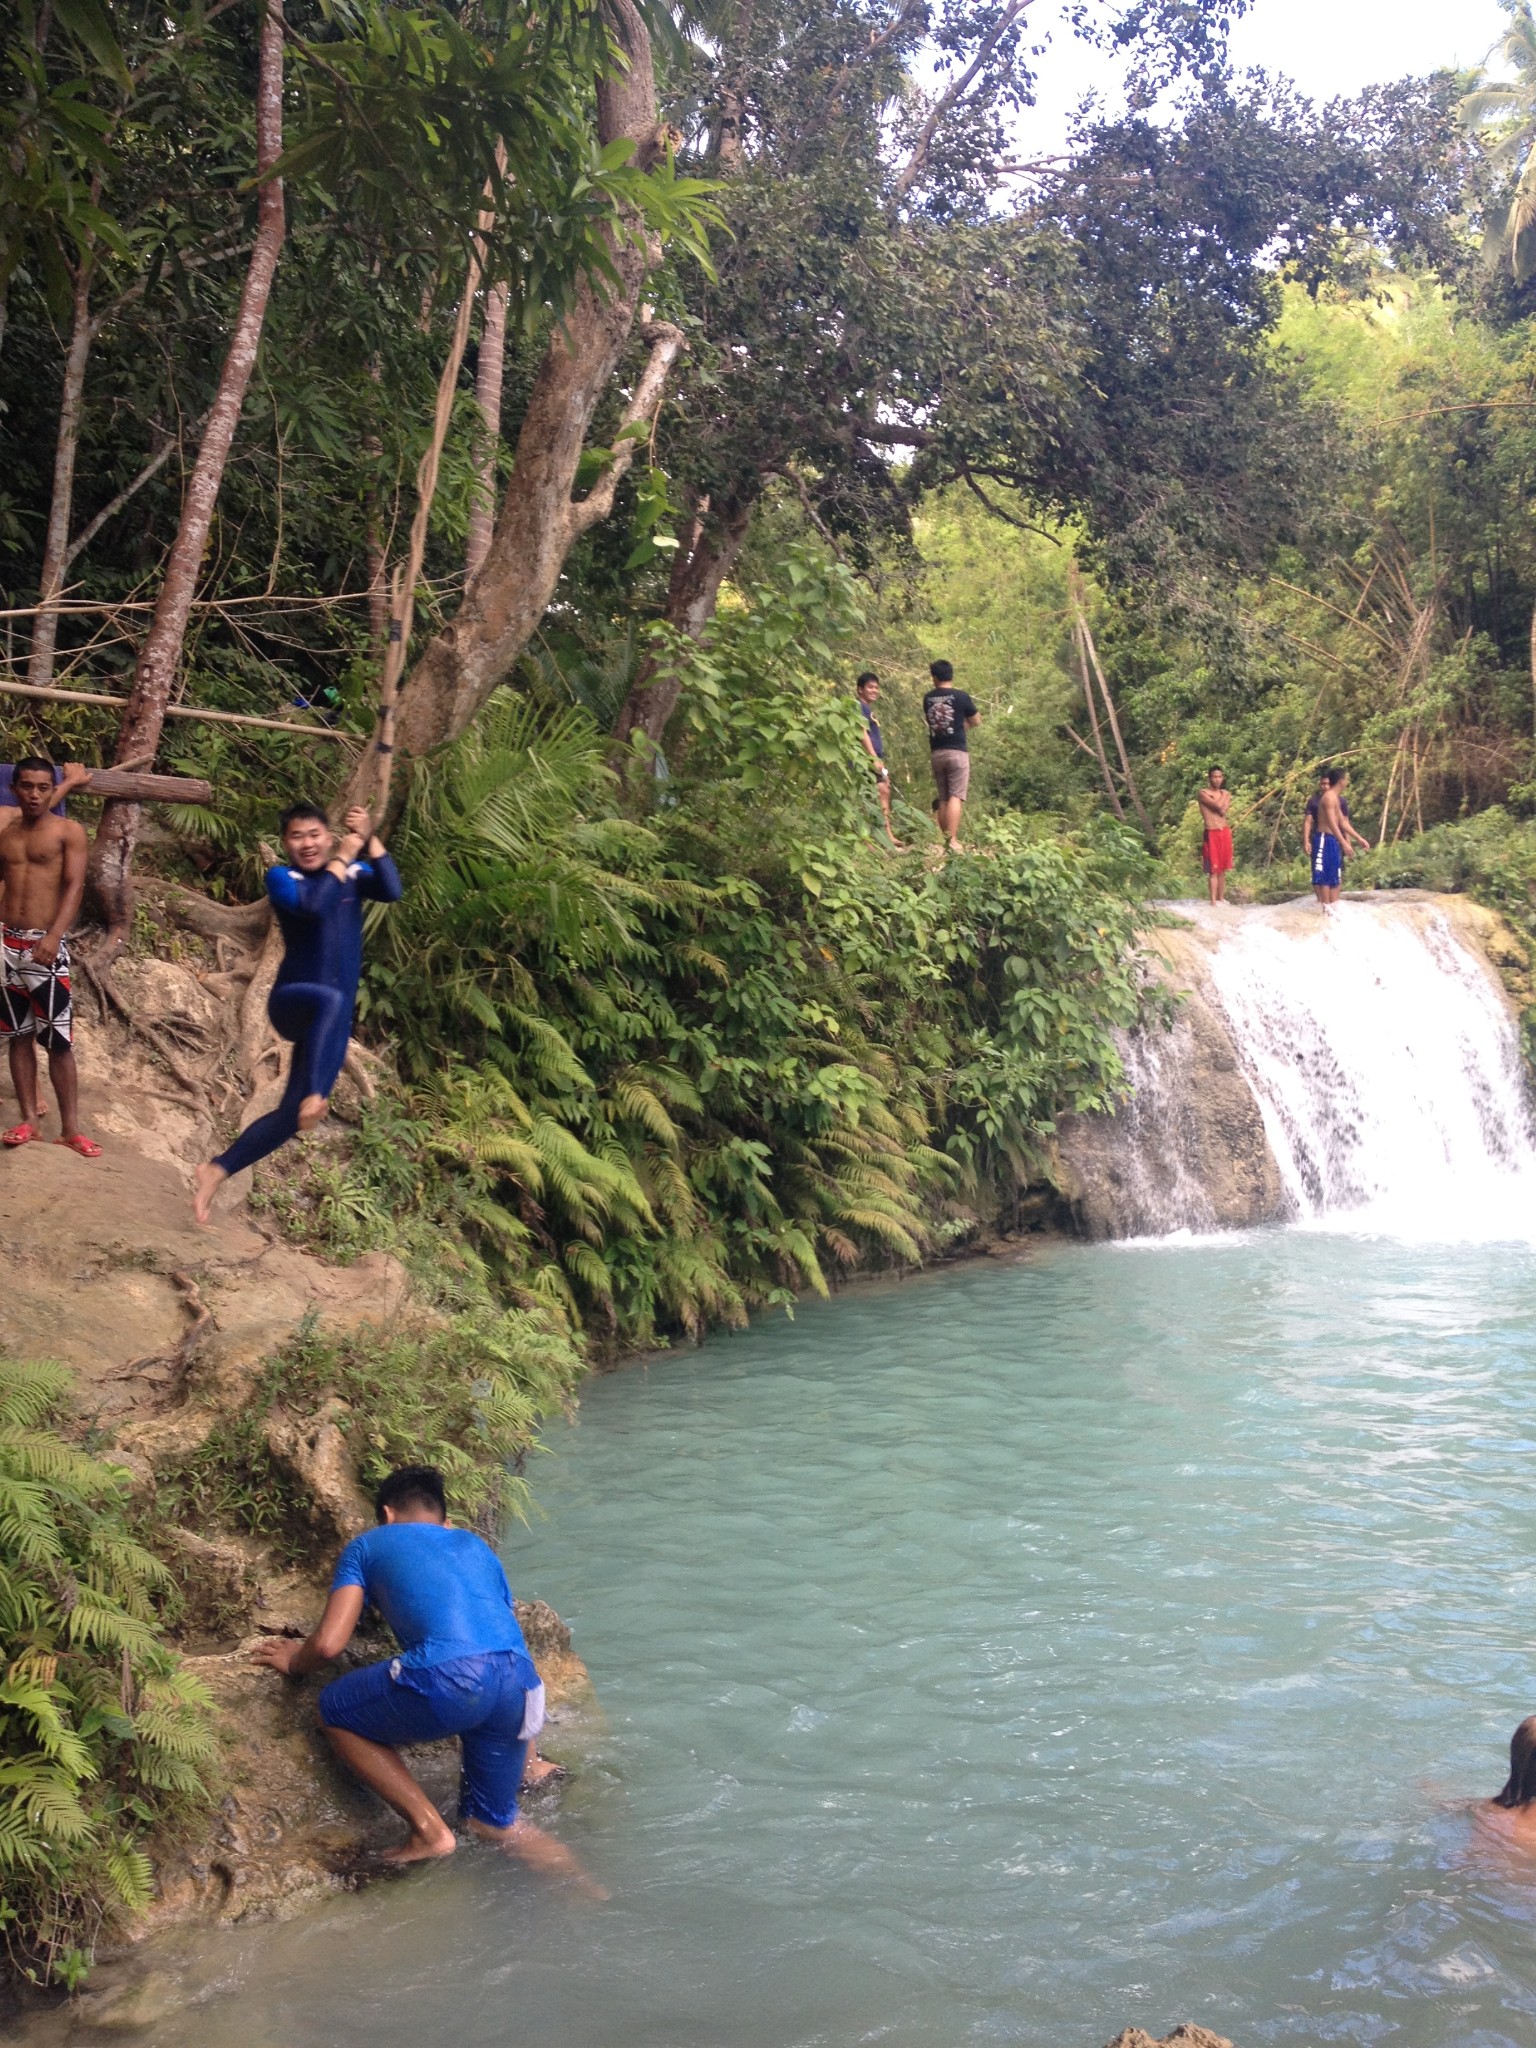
(1327, 861)
(494, 1704)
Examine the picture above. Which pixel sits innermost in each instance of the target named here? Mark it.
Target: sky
(1329, 47)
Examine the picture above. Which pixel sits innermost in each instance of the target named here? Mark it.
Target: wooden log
(149, 789)
(51, 695)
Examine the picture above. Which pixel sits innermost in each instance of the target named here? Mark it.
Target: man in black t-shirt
(950, 714)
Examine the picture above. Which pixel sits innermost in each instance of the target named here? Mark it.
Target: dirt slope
(164, 1326)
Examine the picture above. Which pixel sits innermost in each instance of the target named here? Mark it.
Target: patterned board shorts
(34, 1000)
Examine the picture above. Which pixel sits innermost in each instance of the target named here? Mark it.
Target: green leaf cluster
(661, 1071)
(104, 1737)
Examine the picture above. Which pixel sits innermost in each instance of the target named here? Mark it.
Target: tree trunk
(402, 602)
(698, 570)
(488, 376)
(539, 521)
(160, 657)
(61, 507)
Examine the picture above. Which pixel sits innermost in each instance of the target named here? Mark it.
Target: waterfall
(1355, 1072)
(1385, 1063)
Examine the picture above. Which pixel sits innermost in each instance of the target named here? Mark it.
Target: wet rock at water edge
(1181, 2037)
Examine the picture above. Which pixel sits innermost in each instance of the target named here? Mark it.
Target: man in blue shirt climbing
(317, 892)
(463, 1670)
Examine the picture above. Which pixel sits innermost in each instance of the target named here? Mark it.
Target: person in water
(1215, 800)
(42, 879)
(867, 691)
(317, 893)
(1331, 839)
(1513, 1811)
(463, 1670)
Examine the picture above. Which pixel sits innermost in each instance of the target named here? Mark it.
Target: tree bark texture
(160, 657)
(539, 521)
(489, 371)
(61, 506)
(698, 570)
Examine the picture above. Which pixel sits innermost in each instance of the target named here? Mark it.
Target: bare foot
(311, 1110)
(206, 1183)
(539, 1770)
(541, 1852)
(423, 1848)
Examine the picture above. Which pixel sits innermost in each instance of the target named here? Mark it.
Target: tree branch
(890, 434)
(666, 345)
(955, 91)
(1008, 518)
(110, 510)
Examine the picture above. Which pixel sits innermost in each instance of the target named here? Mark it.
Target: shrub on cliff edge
(103, 1736)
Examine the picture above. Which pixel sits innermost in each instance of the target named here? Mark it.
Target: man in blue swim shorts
(1332, 834)
(463, 1670)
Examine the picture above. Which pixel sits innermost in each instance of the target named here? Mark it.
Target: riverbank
(898, 1610)
(249, 1387)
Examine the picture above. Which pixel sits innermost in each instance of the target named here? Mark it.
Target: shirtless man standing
(42, 873)
(1216, 854)
(1329, 840)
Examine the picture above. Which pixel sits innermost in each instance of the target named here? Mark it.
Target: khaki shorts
(951, 772)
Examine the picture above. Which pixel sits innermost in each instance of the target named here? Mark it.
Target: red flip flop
(18, 1134)
(86, 1147)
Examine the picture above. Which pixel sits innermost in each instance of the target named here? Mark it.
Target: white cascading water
(1386, 1066)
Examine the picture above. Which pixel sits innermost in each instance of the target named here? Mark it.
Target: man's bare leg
(950, 814)
(539, 1851)
(538, 1770)
(206, 1183)
(65, 1076)
(382, 1771)
(884, 791)
(311, 1110)
(24, 1078)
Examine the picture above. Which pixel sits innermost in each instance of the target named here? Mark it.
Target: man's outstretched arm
(338, 1625)
(382, 883)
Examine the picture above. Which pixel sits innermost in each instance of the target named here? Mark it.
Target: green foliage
(658, 1072)
(466, 1397)
(104, 1738)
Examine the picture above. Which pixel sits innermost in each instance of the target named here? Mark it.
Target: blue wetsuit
(463, 1667)
(315, 992)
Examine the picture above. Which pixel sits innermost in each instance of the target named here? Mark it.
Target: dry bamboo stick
(1114, 722)
(50, 695)
(1093, 718)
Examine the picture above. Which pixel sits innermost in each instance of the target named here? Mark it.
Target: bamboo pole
(1093, 718)
(1109, 706)
(51, 695)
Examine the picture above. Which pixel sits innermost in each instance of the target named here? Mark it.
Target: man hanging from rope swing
(317, 891)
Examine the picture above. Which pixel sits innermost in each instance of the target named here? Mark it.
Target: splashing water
(1386, 1066)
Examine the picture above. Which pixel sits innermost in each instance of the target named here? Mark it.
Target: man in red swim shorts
(1216, 855)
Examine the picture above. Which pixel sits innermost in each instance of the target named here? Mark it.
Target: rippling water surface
(1007, 1656)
